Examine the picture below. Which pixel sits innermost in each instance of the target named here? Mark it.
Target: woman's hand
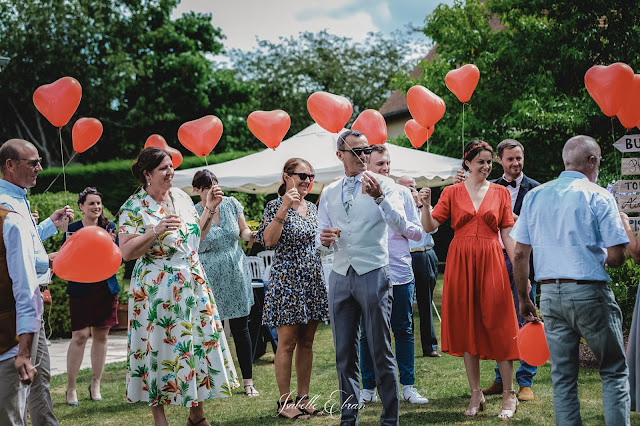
(425, 196)
(291, 197)
(214, 197)
(170, 222)
(114, 234)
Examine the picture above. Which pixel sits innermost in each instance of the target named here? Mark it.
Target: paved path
(116, 351)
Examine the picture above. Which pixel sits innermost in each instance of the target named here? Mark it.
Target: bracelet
(211, 211)
(421, 206)
(279, 220)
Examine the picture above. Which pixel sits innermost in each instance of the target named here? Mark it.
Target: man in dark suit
(511, 158)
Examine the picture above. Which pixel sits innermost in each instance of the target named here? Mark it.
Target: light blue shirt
(569, 222)
(399, 254)
(426, 240)
(27, 259)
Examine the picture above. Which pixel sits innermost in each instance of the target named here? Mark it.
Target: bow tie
(505, 182)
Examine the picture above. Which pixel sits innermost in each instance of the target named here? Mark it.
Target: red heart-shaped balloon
(202, 135)
(607, 85)
(269, 126)
(629, 112)
(85, 133)
(463, 81)
(372, 124)
(330, 111)
(425, 106)
(89, 256)
(417, 134)
(59, 100)
(158, 141)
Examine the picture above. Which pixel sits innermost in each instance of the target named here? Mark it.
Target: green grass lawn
(442, 380)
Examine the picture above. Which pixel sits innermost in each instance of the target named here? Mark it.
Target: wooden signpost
(629, 203)
(635, 224)
(628, 143)
(631, 166)
(626, 186)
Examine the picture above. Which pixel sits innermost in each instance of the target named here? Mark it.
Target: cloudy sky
(244, 20)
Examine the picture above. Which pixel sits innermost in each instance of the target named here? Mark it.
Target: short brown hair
(508, 144)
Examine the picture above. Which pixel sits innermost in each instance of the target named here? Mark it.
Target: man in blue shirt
(573, 227)
(24, 368)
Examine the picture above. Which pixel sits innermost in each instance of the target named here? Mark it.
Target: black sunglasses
(32, 163)
(359, 151)
(304, 176)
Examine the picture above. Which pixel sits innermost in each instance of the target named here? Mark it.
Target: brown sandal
(289, 404)
(308, 407)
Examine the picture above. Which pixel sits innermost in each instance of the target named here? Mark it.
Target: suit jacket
(526, 185)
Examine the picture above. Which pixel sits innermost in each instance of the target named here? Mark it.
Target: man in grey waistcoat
(353, 216)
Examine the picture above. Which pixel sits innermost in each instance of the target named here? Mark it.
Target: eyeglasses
(32, 163)
(304, 176)
(602, 161)
(359, 151)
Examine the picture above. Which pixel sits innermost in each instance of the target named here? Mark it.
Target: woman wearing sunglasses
(296, 298)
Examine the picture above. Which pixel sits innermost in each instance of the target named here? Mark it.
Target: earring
(148, 183)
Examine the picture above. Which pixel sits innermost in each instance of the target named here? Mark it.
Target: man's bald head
(406, 181)
(13, 150)
(582, 154)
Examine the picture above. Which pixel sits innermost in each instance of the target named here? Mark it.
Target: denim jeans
(525, 373)
(402, 327)
(571, 311)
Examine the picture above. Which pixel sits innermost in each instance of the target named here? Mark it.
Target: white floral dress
(178, 352)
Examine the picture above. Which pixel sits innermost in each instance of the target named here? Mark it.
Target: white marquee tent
(261, 173)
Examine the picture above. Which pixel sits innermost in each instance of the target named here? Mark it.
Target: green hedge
(624, 284)
(57, 316)
(112, 178)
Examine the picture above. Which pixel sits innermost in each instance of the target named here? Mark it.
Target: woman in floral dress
(296, 298)
(177, 349)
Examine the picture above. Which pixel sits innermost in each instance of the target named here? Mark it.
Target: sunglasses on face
(32, 163)
(304, 176)
(359, 151)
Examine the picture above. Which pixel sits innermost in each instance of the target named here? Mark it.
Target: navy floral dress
(296, 293)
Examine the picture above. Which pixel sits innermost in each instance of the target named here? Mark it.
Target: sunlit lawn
(442, 380)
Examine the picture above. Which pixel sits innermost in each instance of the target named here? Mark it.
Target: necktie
(350, 185)
(505, 182)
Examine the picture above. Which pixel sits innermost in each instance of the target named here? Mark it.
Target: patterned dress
(296, 293)
(178, 352)
(225, 263)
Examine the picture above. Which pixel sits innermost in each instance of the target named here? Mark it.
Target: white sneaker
(409, 393)
(367, 396)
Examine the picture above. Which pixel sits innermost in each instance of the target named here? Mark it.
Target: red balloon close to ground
(417, 134)
(269, 126)
(372, 124)
(202, 135)
(330, 111)
(88, 256)
(629, 112)
(607, 85)
(158, 141)
(532, 344)
(59, 100)
(463, 81)
(425, 107)
(85, 133)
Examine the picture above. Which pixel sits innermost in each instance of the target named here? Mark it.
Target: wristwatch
(379, 199)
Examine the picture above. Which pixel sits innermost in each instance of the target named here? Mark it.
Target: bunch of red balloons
(616, 90)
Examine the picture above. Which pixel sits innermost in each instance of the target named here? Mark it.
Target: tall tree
(141, 72)
(532, 65)
(287, 72)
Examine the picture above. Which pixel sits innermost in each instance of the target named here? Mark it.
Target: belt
(425, 248)
(569, 280)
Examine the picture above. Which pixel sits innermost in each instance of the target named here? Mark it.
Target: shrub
(624, 284)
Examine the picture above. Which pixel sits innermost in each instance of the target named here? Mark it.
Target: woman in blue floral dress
(227, 268)
(296, 299)
(177, 349)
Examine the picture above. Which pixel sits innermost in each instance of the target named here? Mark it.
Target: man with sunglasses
(353, 217)
(403, 286)
(24, 267)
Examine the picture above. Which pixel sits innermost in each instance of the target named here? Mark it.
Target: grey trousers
(16, 397)
(369, 295)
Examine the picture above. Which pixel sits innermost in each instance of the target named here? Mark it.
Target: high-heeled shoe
(509, 409)
(477, 403)
(71, 403)
(91, 396)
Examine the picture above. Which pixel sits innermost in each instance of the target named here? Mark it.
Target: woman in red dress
(478, 315)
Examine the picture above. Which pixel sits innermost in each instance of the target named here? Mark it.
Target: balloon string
(56, 178)
(350, 149)
(427, 139)
(205, 160)
(463, 129)
(64, 175)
